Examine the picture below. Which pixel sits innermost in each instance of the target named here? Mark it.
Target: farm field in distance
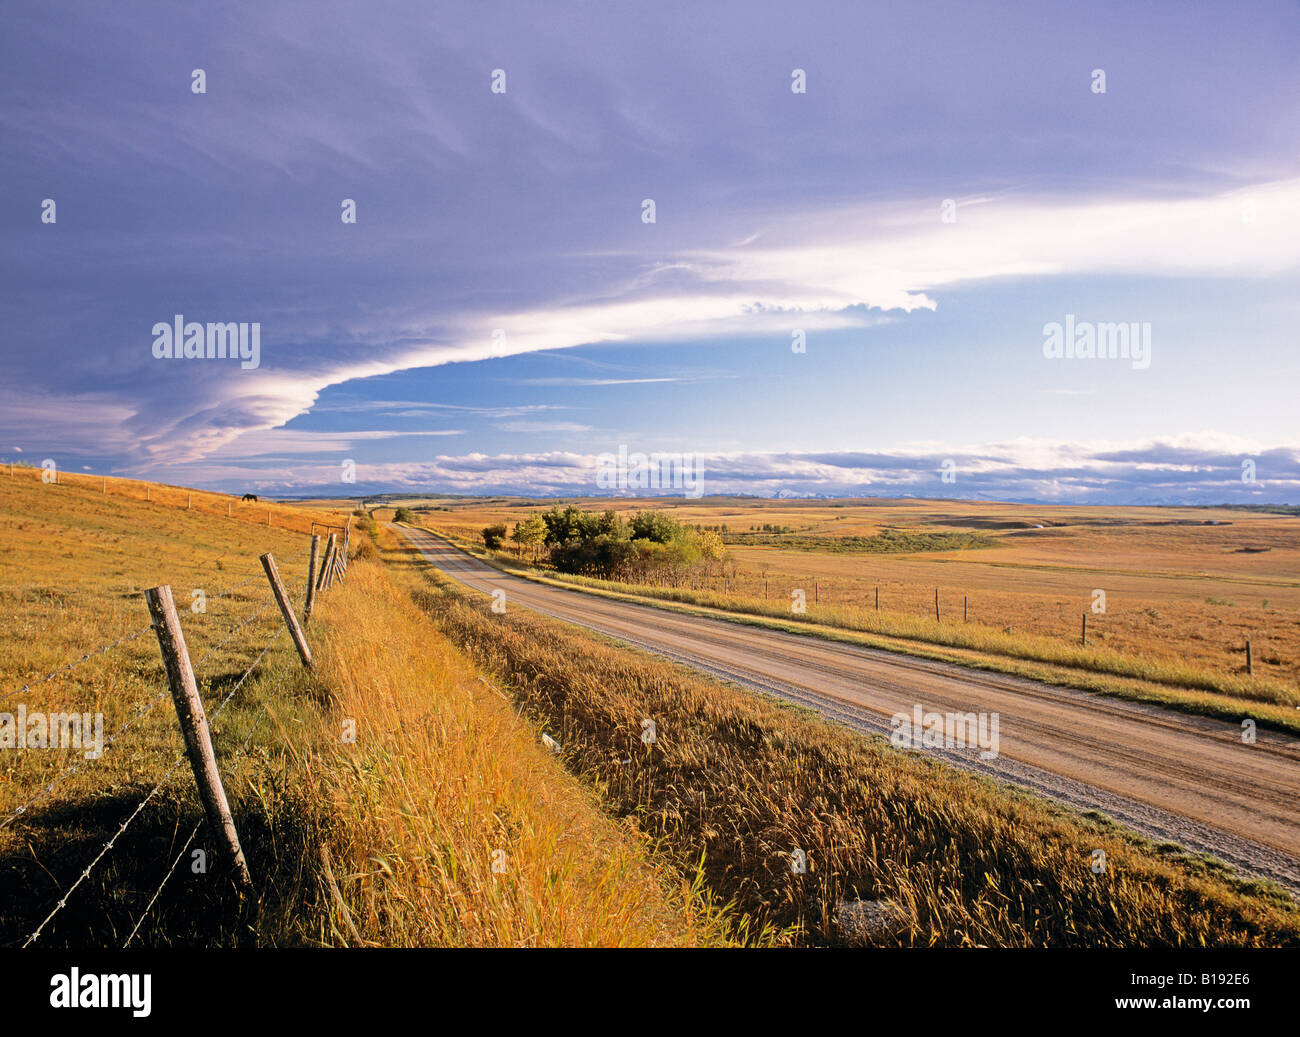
(1182, 585)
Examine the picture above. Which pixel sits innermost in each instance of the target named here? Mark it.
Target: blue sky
(1172, 199)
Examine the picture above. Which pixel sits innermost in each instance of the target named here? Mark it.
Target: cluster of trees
(652, 545)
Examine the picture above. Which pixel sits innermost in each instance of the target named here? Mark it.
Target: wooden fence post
(194, 727)
(1250, 666)
(965, 609)
(286, 609)
(877, 599)
(335, 564)
(1084, 637)
(936, 605)
(325, 565)
(311, 579)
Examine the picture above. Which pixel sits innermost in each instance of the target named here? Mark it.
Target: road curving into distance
(1170, 776)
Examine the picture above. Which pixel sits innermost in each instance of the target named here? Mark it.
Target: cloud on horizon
(1206, 468)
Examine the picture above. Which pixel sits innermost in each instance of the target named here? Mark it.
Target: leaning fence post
(325, 565)
(194, 727)
(311, 579)
(1083, 637)
(286, 609)
(338, 564)
(333, 567)
(1250, 666)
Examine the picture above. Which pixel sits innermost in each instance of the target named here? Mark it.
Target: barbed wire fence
(195, 725)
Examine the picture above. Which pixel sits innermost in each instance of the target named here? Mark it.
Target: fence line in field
(62, 902)
(124, 639)
(231, 590)
(194, 724)
(139, 715)
(230, 636)
(103, 851)
(70, 771)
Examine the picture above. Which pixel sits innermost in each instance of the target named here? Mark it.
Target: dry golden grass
(294, 517)
(73, 568)
(442, 773)
(742, 781)
(451, 824)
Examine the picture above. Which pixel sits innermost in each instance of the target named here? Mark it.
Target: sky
(846, 289)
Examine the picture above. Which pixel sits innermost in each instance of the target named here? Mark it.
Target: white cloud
(1200, 468)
